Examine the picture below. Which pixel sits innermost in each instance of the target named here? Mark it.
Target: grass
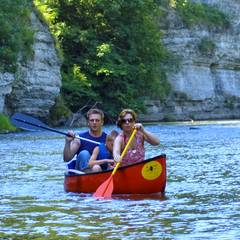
(5, 124)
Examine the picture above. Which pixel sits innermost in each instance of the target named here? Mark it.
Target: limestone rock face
(207, 86)
(6, 82)
(36, 84)
(208, 83)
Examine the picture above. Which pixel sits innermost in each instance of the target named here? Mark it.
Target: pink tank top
(135, 154)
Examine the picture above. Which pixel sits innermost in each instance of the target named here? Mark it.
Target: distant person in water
(83, 148)
(136, 152)
(102, 158)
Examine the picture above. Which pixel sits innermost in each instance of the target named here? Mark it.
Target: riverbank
(5, 125)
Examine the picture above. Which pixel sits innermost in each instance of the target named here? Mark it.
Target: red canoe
(144, 177)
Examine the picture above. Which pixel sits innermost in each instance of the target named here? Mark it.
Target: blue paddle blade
(29, 123)
(26, 122)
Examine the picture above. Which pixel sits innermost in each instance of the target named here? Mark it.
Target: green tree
(112, 52)
(16, 34)
(200, 13)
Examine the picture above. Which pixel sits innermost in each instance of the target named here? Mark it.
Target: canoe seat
(72, 171)
(70, 168)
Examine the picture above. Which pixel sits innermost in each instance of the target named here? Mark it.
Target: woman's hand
(110, 167)
(117, 158)
(139, 127)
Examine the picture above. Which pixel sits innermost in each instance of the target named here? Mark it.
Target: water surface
(202, 193)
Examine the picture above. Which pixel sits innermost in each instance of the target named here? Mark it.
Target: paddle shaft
(125, 150)
(54, 130)
(106, 188)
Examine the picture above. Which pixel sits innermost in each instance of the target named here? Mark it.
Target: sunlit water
(202, 194)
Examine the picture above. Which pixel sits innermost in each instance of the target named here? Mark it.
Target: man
(82, 147)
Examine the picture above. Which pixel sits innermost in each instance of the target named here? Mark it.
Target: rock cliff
(36, 84)
(207, 85)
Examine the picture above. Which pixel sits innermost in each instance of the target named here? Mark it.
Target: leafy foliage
(59, 112)
(16, 34)
(5, 125)
(112, 51)
(198, 13)
(207, 46)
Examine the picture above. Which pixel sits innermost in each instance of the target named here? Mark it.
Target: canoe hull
(141, 178)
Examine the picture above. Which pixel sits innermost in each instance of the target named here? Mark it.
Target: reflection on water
(202, 197)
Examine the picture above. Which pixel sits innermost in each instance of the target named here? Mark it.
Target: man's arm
(71, 147)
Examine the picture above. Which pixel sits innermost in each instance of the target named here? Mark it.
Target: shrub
(207, 47)
(16, 34)
(5, 125)
(199, 13)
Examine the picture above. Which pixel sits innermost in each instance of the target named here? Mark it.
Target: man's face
(95, 122)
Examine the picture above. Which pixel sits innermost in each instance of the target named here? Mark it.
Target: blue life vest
(104, 154)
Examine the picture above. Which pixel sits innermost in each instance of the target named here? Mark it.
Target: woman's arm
(148, 136)
(151, 138)
(117, 148)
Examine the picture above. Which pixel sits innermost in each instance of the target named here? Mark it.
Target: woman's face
(127, 122)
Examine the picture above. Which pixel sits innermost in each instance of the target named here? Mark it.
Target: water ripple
(202, 195)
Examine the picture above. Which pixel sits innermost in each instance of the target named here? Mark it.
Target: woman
(136, 152)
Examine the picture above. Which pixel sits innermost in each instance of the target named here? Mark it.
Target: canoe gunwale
(119, 169)
(146, 177)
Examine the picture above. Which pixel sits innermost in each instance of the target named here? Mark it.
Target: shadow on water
(140, 197)
(130, 197)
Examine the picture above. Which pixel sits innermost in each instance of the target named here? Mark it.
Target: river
(202, 194)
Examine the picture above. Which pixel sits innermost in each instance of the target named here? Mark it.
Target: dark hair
(95, 111)
(123, 113)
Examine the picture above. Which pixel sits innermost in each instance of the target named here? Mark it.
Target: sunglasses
(127, 120)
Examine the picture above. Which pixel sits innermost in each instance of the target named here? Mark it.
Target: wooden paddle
(29, 123)
(105, 189)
